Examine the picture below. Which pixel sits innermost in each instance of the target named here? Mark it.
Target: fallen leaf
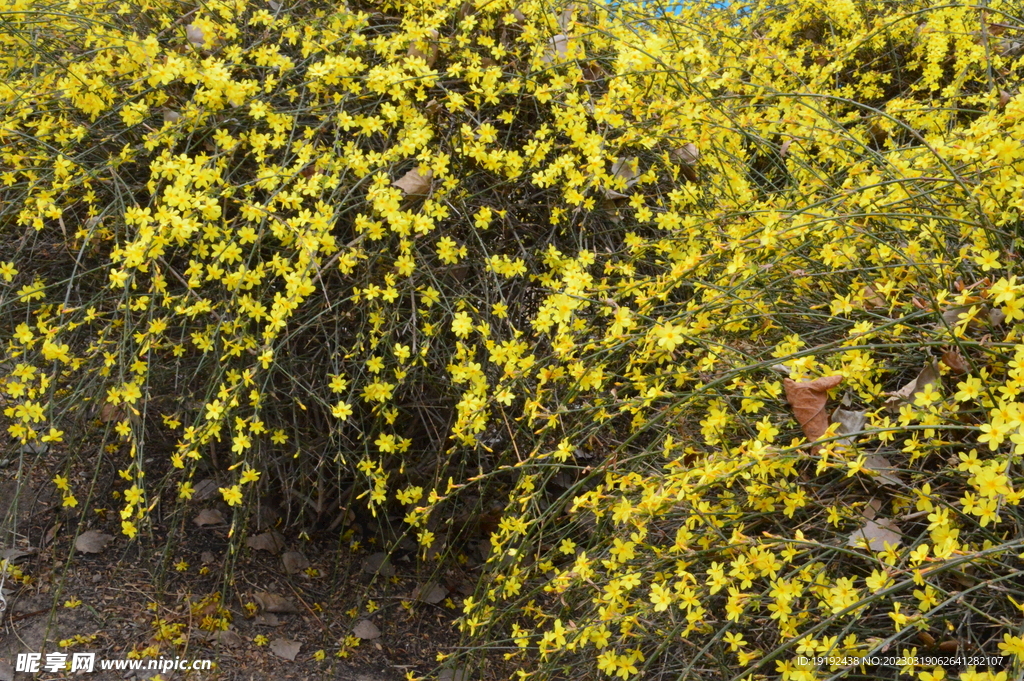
(996, 316)
(558, 47)
(286, 648)
(431, 592)
(849, 422)
(453, 675)
(209, 516)
(14, 555)
(872, 508)
(429, 44)
(564, 18)
(928, 375)
(207, 557)
(625, 169)
(957, 315)
(413, 183)
(204, 489)
(227, 637)
(1004, 98)
(50, 535)
(688, 154)
(365, 629)
(872, 298)
(886, 473)
(807, 398)
(955, 361)
(6, 671)
(195, 35)
(378, 563)
(876, 534)
(92, 541)
(275, 603)
(294, 562)
(110, 412)
(267, 619)
(272, 542)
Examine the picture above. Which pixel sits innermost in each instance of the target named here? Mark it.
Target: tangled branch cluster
(424, 252)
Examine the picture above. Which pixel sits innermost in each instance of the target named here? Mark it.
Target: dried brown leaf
(928, 375)
(807, 398)
(960, 314)
(209, 516)
(955, 361)
(227, 637)
(195, 35)
(204, 489)
(886, 473)
(872, 508)
(378, 563)
(266, 619)
(285, 648)
(425, 48)
(849, 422)
(431, 592)
(414, 183)
(272, 542)
(872, 298)
(110, 412)
(453, 675)
(558, 47)
(688, 154)
(294, 562)
(365, 629)
(14, 555)
(92, 541)
(275, 603)
(876, 533)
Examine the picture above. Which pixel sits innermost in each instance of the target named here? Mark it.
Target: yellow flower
(8, 271)
(133, 495)
(660, 597)
(735, 640)
(462, 324)
(342, 410)
(250, 475)
(232, 495)
(1013, 645)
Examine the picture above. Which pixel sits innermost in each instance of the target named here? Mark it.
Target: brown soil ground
(117, 597)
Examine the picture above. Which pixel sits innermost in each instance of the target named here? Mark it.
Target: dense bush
(586, 260)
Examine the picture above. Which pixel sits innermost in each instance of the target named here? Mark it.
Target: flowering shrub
(586, 257)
